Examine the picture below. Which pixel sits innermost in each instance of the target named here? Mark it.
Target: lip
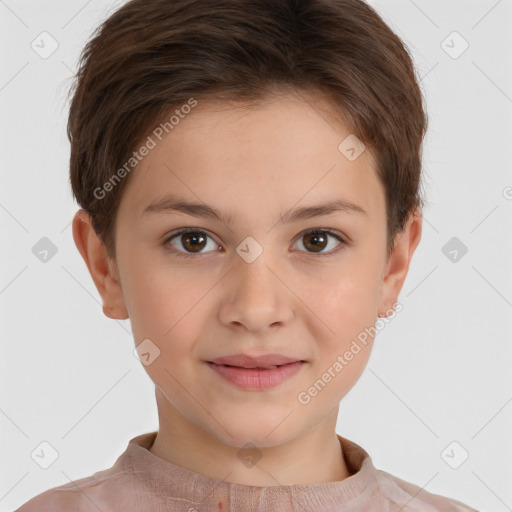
(262, 361)
(250, 373)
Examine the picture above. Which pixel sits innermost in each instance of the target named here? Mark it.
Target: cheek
(346, 298)
(169, 312)
(346, 304)
(162, 302)
(347, 307)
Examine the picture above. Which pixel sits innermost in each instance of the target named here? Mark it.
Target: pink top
(141, 481)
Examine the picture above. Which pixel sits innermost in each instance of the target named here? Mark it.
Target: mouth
(262, 362)
(256, 376)
(253, 367)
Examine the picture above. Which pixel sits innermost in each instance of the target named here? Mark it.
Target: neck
(314, 456)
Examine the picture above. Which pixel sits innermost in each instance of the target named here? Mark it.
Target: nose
(256, 296)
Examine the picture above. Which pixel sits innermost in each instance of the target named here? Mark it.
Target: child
(249, 177)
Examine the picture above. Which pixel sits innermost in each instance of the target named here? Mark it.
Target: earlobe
(100, 266)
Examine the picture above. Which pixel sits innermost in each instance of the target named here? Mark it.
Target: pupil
(187, 238)
(315, 245)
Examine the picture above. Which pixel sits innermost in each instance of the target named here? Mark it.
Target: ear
(397, 266)
(102, 268)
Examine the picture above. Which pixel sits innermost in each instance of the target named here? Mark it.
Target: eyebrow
(173, 204)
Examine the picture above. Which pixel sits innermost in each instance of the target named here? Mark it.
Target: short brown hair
(151, 56)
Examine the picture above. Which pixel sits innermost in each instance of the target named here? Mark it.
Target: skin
(254, 165)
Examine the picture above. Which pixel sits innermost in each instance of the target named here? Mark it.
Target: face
(266, 277)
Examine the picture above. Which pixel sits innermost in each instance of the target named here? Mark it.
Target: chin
(263, 434)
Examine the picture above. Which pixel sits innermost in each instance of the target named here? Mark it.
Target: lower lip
(252, 378)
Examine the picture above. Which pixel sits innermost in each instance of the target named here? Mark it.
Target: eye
(191, 241)
(316, 240)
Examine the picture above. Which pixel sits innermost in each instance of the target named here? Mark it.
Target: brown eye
(193, 242)
(189, 242)
(317, 240)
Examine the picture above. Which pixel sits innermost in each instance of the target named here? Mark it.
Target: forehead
(261, 158)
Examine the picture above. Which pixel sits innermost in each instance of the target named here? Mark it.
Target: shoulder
(407, 497)
(89, 494)
(123, 486)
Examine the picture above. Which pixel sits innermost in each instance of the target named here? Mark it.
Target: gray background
(440, 371)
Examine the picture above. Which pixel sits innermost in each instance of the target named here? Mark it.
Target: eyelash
(182, 254)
